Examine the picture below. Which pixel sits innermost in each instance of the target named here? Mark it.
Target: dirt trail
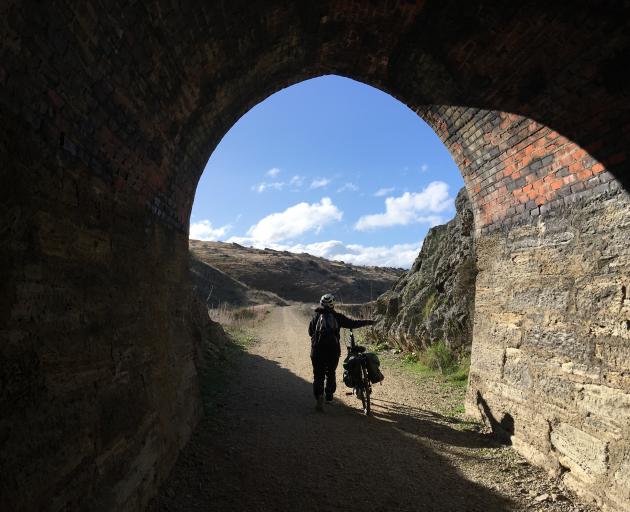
(265, 448)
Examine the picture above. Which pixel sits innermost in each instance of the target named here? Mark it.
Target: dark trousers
(324, 367)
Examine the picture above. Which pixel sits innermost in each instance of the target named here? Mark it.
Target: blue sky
(332, 167)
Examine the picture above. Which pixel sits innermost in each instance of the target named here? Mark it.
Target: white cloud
(319, 183)
(295, 221)
(424, 168)
(399, 255)
(296, 181)
(411, 208)
(348, 187)
(203, 230)
(261, 187)
(384, 191)
(273, 172)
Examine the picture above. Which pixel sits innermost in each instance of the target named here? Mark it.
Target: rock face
(435, 299)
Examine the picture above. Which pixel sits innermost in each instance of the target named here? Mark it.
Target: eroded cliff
(434, 300)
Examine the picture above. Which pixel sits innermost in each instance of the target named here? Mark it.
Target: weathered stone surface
(550, 351)
(621, 489)
(580, 451)
(434, 300)
(609, 406)
(516, 369)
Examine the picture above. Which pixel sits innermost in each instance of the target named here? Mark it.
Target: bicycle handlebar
(352, 344)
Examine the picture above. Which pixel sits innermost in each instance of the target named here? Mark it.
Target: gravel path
(265, 448)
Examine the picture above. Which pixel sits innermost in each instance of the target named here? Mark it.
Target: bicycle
(363, 388)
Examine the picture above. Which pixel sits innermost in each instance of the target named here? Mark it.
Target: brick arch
(448, 74)
(512, 165)
(109, 117)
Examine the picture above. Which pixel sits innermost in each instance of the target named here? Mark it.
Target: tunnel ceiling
(142, 94)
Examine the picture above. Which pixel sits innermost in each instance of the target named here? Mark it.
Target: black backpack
(326, 328)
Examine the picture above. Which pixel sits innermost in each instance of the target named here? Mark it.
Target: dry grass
(365, 310)
(238, 317)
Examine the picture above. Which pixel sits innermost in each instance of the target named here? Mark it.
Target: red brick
(583, 175)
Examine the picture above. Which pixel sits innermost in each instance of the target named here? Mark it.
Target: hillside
(215, 287)
(238, 274)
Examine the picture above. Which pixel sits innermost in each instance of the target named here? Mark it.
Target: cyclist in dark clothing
(324, 330)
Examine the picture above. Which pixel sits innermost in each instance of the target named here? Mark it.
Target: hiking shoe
(319, 406)
(329, 399)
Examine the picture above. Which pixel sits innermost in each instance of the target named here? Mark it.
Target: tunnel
(110, 112)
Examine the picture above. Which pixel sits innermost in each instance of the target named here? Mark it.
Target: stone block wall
(551, 338)
(551, 350)
(98, 382)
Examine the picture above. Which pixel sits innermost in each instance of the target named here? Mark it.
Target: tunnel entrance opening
(529, 182)
(108, 119)
(326, 130)
(333, 168)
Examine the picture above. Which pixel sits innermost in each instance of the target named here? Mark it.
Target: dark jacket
(342, 321)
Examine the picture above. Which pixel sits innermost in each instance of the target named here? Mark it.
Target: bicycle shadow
(263, 447)
(432, 425)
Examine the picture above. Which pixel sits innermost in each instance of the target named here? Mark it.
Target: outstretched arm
(351, 323)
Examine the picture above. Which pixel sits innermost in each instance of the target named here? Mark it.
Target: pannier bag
(373, 367)
(352, 370)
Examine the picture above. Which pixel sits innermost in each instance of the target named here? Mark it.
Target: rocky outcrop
(434, 300)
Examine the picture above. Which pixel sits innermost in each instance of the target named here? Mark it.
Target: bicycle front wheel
(367, 393)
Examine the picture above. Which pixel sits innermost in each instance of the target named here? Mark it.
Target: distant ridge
(231, 273)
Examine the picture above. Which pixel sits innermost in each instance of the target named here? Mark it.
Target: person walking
(324, 330)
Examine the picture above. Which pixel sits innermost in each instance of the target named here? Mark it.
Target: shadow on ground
(432, 425)
(263, 447)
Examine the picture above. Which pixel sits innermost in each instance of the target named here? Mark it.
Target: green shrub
(412, 357)
(380, 346)
(460, 374)
(439, 357)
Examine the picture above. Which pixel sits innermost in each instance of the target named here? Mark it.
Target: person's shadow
(503, 430)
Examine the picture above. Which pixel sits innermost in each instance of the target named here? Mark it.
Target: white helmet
(328, 301)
